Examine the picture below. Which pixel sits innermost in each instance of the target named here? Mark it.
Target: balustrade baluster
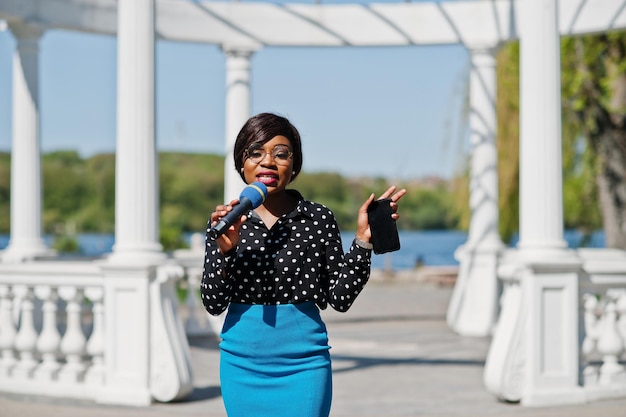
(621, 311)
(8, 331)
(26, 340)
(95, 345)
(610, 346)
(73, 341)
(193, 325)
(591, 325)
(49, 338)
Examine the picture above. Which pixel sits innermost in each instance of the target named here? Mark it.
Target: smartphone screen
(383, 227)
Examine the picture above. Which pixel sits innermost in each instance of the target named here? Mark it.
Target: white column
(26, 202)
(541, 188)
(136, 188)
(550, 280)
(237, 112)
(473, 306)
(546, 305)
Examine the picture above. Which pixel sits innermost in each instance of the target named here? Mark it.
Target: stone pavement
(392, 353)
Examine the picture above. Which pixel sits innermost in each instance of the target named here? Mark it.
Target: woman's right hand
(229, 239)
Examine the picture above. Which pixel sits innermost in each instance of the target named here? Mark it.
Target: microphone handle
(225, 222)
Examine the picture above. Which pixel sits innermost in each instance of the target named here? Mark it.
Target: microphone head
(256, 192)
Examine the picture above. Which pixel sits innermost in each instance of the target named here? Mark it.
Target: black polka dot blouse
(299, 259)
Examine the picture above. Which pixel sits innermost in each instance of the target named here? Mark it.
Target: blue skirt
(275, 361)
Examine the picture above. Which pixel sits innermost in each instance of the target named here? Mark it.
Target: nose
(265, 157)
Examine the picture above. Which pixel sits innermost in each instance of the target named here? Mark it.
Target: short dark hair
(261, 129)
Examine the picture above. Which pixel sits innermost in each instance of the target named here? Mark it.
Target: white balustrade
(621, 311)
(50, 357)
(601, 320)
(55, 330)
(198, 322)
(7, 331)
(49, 338)
(95, 345)
(74, 341)
(26, 340)
(605, 337)
(591, 321)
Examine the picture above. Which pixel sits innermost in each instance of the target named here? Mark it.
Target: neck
(279, 203)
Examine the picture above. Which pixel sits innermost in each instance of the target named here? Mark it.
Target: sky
(394, 112)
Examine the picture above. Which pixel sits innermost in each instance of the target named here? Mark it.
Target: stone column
(541, 185)
(473, 306)
(146, 354)
(136, 187)
(550, 281)
(536, 346)
(26, 197)
(237, 112)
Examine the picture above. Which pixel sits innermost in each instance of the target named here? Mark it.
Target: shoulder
(312, 209)
(317, 211)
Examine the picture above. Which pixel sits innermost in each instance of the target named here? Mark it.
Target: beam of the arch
(475, 23)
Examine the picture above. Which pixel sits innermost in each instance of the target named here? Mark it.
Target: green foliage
(428, 209)
(580, 193)
(66, 244)
(508, 139)
(191, 185)
(71, 190)
(81, 193)
(171, 238)
(594, 111)
(99, 212)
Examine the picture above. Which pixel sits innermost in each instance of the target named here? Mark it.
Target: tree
(594, 87)
(507, 137)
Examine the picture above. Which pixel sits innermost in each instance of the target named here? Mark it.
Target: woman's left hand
(363, 231)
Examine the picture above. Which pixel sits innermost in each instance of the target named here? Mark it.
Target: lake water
(429, 247)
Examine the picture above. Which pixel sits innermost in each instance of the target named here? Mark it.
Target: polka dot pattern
(299, 259)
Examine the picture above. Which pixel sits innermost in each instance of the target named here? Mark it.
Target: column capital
(26, 31)
(239, 51)
(483, 57)
(485, 48)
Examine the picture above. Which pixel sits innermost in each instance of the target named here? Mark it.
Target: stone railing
(196, 320)
(93, 330)
(603, 306)
(522, 351)
(52, 332)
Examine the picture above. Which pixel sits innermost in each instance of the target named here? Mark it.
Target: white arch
(474, 23)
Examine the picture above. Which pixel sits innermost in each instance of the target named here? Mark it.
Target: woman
(274, 269)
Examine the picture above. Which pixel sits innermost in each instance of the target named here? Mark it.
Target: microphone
(252, 196)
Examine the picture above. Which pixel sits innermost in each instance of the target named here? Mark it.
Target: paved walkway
(393, 355)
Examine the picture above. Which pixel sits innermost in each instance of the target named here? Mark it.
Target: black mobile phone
(383, 227)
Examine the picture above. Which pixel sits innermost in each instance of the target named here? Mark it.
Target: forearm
(216, 285)
(347, 282)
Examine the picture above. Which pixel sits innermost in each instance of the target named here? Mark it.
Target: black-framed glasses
(281, 154)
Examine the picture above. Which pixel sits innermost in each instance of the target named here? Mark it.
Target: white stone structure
(135, 351)
(473, 308)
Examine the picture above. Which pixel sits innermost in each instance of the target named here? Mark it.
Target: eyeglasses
(281, 154)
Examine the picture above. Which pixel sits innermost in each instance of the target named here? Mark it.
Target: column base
(473, 309)
(538, 323)
(26, 251)
(135, 255)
